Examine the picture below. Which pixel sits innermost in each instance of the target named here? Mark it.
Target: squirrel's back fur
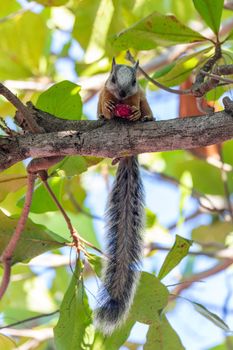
(125, 217)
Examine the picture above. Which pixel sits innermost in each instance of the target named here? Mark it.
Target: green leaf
(9, 204)
(74, 330)
(216, 93)
(92, 160)
(223, 345)
(21, 58)
(6, 343)
(227, 152)
(89, 69)
(183, 67)
(148, 301)
(41, 201)
(93, 19)
(215, 319)
(51, 3)
(7, 7)
(12, 179)
(57, 225)
(214, 233)
(85, 14)
(23, 293)
(73, 165)
(211, 183)
(177, 253)
(60, 282)
(153, 30)
(150, 218)
(116, 340)
(62, 100)
(34, 240)
(62, 187)
(11, 183)
(161, 336)
(183, 10)
(96, 263)
(211, 12)
(163, 71)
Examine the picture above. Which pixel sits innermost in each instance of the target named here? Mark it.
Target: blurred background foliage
(57, 54)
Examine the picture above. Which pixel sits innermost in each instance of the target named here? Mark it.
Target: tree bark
(115, 138)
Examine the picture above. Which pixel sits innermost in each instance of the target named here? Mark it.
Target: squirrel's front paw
(136, 114)
(101, 117)
(109, 105)
(108, 109)
(147, 118)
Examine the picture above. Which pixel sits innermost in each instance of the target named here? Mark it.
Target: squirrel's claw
(136, 114)
(110, 105)
(108, 109)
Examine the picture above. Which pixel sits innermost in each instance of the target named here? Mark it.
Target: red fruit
(122, 111)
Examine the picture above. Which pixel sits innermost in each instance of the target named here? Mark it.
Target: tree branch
(26, 112)
(186, 283)
(115, 138)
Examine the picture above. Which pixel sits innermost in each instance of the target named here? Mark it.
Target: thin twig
(6, 129)
(77, 239)
(219, 253)
(37, 336)
(195, 193)
(21, 107)
(200, 276)
(224, 69)
(74, 234)
(30, 319)
(217, 77)
(155, 82)
(188, 218)
(200, 86)
(7, 254)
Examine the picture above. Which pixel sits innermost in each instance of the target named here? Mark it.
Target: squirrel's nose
(122, 93)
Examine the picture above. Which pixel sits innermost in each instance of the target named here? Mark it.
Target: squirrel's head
(122, 81)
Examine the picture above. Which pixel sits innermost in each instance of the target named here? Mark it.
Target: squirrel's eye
(113, 80)
(134, 82)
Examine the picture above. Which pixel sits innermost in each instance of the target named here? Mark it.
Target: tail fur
(125, 219)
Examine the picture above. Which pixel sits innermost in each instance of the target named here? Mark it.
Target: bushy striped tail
(125, 219)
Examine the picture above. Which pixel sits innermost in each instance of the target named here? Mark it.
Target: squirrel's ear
(136, 65)
(113, 62)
